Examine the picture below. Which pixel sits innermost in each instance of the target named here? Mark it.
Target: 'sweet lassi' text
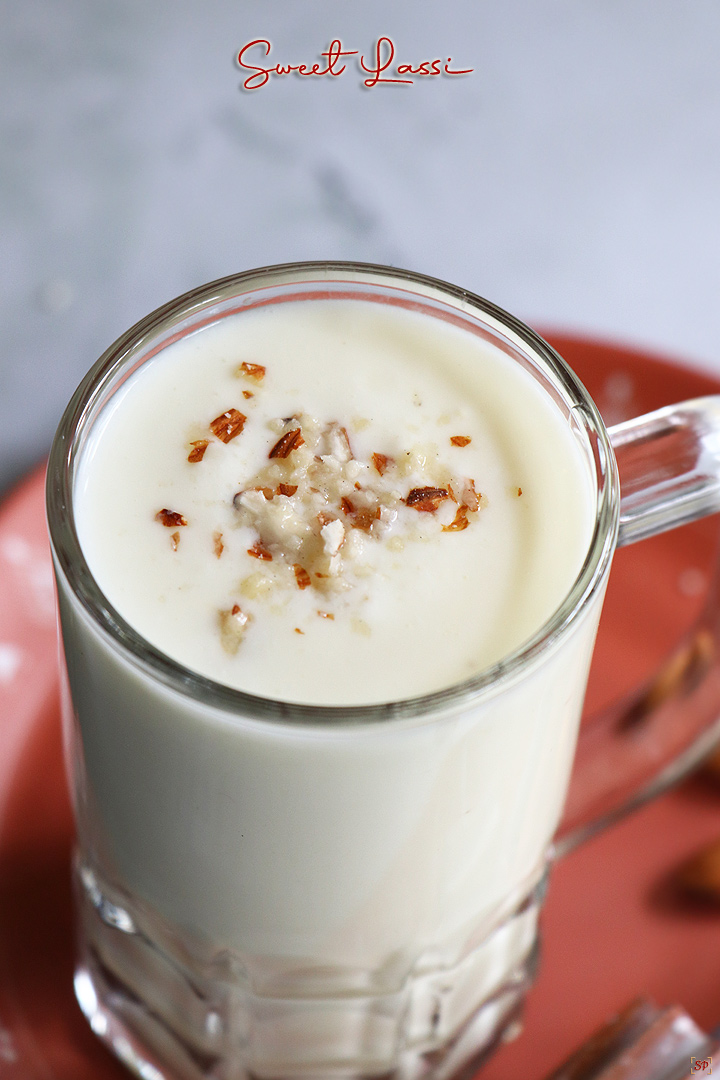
(379, 65)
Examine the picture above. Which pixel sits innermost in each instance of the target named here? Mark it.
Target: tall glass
(269, 890)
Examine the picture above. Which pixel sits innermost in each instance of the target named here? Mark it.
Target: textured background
(572, 178)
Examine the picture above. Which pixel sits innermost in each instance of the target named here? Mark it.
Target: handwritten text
(378, 66)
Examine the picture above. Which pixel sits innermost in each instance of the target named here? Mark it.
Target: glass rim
(87, 401)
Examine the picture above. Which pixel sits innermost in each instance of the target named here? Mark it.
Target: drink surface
(334, 502)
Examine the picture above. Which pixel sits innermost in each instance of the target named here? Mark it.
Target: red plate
(608, 933)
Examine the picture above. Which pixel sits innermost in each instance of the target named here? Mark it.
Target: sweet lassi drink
(323, 696)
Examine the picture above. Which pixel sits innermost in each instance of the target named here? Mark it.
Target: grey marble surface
(573, 177)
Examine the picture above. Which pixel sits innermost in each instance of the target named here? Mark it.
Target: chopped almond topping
(175, 540)
(470, 496)
(248, 394)
(365, 518)
(301, 576)
(460, 440)
(253, 371)
(333, 537)
(381, 462)
(344, 435)
(199, 446)
(426, 499)
(325, 615)
(268, 493)
(287, 443)
(228, 425)
(459, 522)
(258, 551)
(339, 441)
(170, 518)
(233, 624)
(218, 545)
(309, 522)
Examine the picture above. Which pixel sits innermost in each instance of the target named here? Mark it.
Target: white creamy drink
(391, 598)
(331, 502)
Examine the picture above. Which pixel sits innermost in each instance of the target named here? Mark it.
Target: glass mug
(382, 922)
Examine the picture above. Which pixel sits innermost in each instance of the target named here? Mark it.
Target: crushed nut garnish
(218, 546)
(253, 371)
(426, 499)
(460, 440)
(459, 522)
(301, 576)
(170, 518)
(258, 551)
(318, 509)
(365, 518)
(175, 540)
(268, 493)
(470, 496)
(288, 442)
(228, 425)
(233, 624)
(339, 442)
(199, 446)
(333, 537)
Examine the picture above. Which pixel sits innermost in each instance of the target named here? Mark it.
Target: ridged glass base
(167, 1022)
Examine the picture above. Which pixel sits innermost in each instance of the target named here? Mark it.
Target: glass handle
(669, 464)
